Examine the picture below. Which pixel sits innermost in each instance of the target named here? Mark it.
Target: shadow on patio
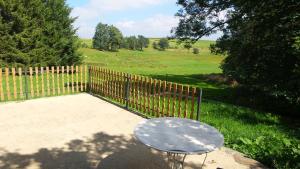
(102, 151)
(84, 132)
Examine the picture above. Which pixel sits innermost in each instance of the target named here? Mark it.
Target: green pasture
(172, 63)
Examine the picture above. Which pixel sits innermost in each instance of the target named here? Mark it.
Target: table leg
(176, 161)
(204, 160)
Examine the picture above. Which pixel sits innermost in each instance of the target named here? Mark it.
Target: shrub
(196, 51)
(84, 45)
(163, 43)
(275, 151)
(155, 46)
(187, 46)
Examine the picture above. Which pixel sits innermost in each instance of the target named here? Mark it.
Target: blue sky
(151, 18)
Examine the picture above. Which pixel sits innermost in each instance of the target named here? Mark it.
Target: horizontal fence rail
(151, 97)
(34, 82)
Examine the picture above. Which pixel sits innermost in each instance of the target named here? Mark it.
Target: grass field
(159, 64)
(260, 135)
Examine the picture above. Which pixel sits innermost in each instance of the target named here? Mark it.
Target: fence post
(26, 84)
(199, 104)
(127, 93)
(89, 79)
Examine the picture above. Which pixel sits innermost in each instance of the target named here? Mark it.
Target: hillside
(172, 62)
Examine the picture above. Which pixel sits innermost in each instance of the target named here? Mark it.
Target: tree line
(135, 43)
(109, 38)
(37, 33)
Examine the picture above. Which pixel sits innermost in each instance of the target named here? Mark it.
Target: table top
(178, 135)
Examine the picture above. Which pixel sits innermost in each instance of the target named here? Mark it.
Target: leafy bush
(84, 45)
(154, 45)
(275, 151)
(259, 135)
(196, 51)
(188, 46)
(163, 43)
(135, 43)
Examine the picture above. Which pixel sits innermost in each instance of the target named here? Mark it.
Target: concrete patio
(85, 132)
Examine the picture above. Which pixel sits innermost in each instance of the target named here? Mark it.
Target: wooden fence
(27, 83)
(149, 96)
(145, 95)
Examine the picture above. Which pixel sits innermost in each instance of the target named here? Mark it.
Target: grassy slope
(244, 129)
(150, 62)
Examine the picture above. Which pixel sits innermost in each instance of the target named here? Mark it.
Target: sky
(151, 18)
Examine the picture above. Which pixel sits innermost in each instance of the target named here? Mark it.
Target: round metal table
(178, 137)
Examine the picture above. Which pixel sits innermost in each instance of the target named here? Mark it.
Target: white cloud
(94, 10)
(155, 26)
(85, 30)
(111, 5)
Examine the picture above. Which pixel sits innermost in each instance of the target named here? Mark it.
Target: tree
(37, 33)
(101, 39)
(259, 39)
(115, 38)
(154, 45)
(163, 43)
(142, 42)
(84, 45)
(124, 43)
(107, 37)
(146, 42)
(132, 42)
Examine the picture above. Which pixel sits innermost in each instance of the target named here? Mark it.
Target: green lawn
(260, 135)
